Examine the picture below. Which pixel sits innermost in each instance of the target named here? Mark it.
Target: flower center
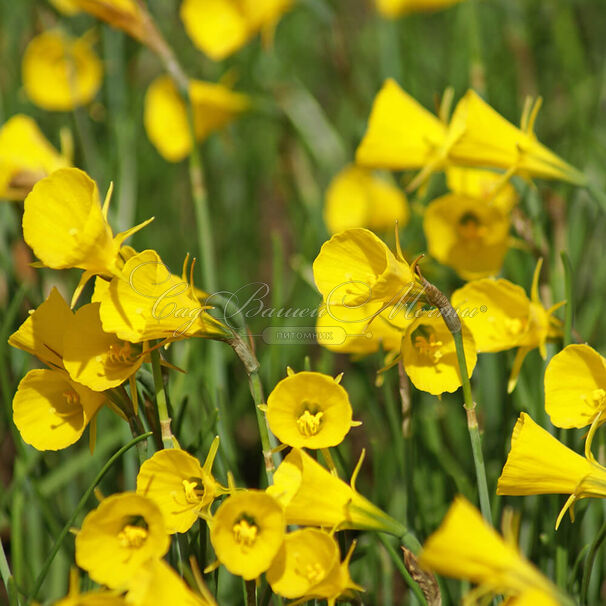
(427, 344)
(132, 537)
(313, 572)
(470, 227)
(193, 489)
(120, 353)
(513, 326)
(245, 533)
(72, 399)
(595, 398)
(308, 423)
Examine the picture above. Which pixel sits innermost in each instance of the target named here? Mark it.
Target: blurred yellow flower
(67, 7)
(25, 157)
(309, 566)
(247, 531)
(430, 358)
(466, 547)
(396, 8)
(221, 27)
(182, 488)
(309, 410)
(165, 114)
(127, 15)
(94, 357)
(470, 236)
(61, 73)
(97, 597)
(500, 316)
(357, 198)
(312, 496)
(485, 139)
(118, 537)
(538, 464)
(575, 387)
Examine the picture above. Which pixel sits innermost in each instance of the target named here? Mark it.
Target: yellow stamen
(309, 424)
(132, 537)
(120, 354)
(192, 489)
(244, 533)
(429, 347)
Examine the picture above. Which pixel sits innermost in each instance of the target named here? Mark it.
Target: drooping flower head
(122, 534)
(309, 410)
(247, 531)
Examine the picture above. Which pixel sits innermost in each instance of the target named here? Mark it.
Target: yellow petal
(484, 185)
(396, 8)
(123, 14)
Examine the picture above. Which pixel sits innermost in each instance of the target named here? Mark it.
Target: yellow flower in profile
(182, 488)
(312, 496)
(67, 7)
(470, 236)
(466, 547)
(221, 27)
(538, 464)
(356, 267)
(61, 73)
(165, 114)
(26, 156)
(247, 531)
(357, 198)
(309, 410)
(501, 316)
(396, 8)
(309, 566)
(94, 357)
(147, 302)
(430, 358)
(485, 139)
(575, 387)
(127, 15)
(125, 532)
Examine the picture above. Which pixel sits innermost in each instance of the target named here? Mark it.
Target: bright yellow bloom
(470, 236)
(127, 15)
(67, 7)
(501, 316)
(312, 496)
(60, 72)
(396, 8)
(51, 411)
(357, 198)
(221, 27)
(430, 357)
(125, 532)
(484, 185)
(165, 114)
(485, 139)
(96, 358)
(147, 302)
(575, 386)
(25, 157)
(534, 597)
(538, 464)
(247, 531)
(466, 547)
(181, 487)
(356, 267)
(309, 566)
(309, 410)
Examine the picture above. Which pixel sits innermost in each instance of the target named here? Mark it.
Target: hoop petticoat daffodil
(504, 317)
(539, 464)
(396, 8)
(65, 225)
(466, 547)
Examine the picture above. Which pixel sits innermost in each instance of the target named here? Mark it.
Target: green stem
(76, 512)
(7, 578)
(161, 402)
(251, 593)
(593, 550)
(569, 310)
(598, 195)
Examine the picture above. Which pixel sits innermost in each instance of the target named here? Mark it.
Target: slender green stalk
(569, 310)
(598, 195)
(7, 578)
(250, 590)
(161, 401)
(77, 510)
(593, 550)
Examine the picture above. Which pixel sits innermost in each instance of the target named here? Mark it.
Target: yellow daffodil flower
(308, 566)
(127, 15)
(538, 464)
(309, 410)
(67, 7)
(466, 547)
(470, 236)
(165, 114)
(61, 73)
(575, 387)
(396, 8)
(25, 157)
(430, 357)
(358, 198)
(312, 496)
(118, 537)
(356, 267)
(147, 302)
(485, 139)
(221, 27)
(94, 357)
(500, 316)
(247, 531)
(182, 488)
